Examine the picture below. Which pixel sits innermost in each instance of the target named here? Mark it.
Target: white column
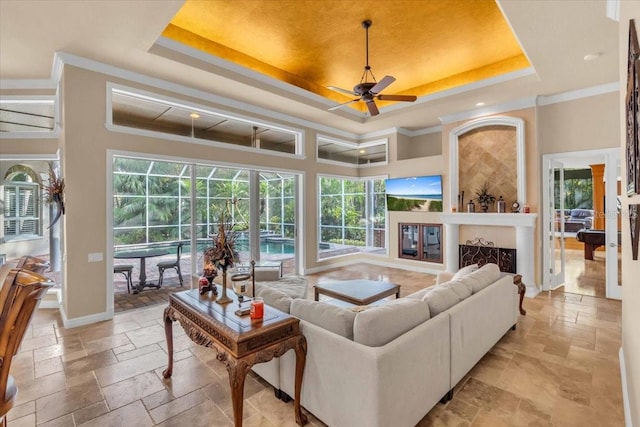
(525, 256)
(452, 236)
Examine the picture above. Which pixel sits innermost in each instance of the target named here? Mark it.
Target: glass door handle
(612, 245)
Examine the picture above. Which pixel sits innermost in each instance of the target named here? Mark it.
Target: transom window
(184, 121)
(26, 114)
(330, 150)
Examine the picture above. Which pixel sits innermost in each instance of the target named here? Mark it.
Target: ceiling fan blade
(407, 98)
(373, 109)
(335, 107)
(382, 84)
(339, 89)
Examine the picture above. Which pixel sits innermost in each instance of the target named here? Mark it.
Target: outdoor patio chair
(126, 270)
(165, 265)
(21, 293)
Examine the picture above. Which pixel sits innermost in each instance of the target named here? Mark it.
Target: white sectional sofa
(390, 364)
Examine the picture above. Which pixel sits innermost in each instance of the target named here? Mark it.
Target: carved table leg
(301, 357)
(237, 370)
(517, 280)
(168, 332)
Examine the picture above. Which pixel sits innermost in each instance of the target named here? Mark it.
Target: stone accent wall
(488, 154)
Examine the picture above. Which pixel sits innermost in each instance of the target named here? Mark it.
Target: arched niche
(454, 139)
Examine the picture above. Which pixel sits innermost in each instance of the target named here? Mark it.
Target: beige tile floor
(560, 367)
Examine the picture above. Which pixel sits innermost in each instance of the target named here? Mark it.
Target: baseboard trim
(83, 320)
(55, 303)
(625, 390)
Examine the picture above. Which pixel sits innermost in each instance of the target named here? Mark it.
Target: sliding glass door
(160, 203)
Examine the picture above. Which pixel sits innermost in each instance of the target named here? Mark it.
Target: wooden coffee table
(358, 292)
(239, 342)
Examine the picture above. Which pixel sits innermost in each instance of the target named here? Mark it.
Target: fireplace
(481, 252)
(524, 225)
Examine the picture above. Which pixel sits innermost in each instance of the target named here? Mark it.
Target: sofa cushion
(275, 298)
(462, 288)
(381, 324)
(464, 271)
(294, 286)
(419, 294)
(482, 277)
(330, 317)
(440, 299)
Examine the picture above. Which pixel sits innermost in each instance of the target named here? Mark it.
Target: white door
(612, 225)
(554, 254)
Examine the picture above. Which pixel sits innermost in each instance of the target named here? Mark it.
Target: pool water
(242, 245)
(268, 247)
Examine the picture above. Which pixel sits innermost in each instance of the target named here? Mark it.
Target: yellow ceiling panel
(427, 45)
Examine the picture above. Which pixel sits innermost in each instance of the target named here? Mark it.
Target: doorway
(581, 224)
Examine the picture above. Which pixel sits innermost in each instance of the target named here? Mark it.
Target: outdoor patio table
(143, 254)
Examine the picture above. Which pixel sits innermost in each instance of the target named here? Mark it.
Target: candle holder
(224, 298)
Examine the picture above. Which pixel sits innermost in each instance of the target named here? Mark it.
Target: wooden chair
(21, 293)
(126, 270)
(165, 265)
(34, 264)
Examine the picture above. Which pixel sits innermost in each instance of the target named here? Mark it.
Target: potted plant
(484, 197)
(222, 255)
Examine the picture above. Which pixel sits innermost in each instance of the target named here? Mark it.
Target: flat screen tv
(418, 193)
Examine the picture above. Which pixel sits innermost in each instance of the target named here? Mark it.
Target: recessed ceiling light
(194, 115)
(362, 151)
(591, 56)
(480, 104)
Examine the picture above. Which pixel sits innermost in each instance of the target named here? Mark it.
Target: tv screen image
(418, 193)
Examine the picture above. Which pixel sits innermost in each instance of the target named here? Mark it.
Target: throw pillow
(464, 271)
(275, 298)
(461, 287)
(483, 277)
(383, 323)
(440, 299)
(330, 317)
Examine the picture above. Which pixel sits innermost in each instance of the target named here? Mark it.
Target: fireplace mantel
(524, 225)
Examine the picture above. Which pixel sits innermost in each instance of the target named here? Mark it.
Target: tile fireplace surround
(524, 225)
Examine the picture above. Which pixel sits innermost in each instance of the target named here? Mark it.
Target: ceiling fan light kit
(368, 91)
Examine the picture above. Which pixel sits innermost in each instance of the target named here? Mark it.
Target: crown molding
(613, 10)
(28, 84)
(578, 94)
(518, 104)
(133, 76)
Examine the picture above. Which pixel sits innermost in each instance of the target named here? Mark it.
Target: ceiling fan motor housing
(362, 88)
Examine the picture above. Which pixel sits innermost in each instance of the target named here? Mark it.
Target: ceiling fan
(368, 91)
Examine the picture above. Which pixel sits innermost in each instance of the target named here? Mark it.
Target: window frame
(369, 200)
(37, 217)
(200, 109)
